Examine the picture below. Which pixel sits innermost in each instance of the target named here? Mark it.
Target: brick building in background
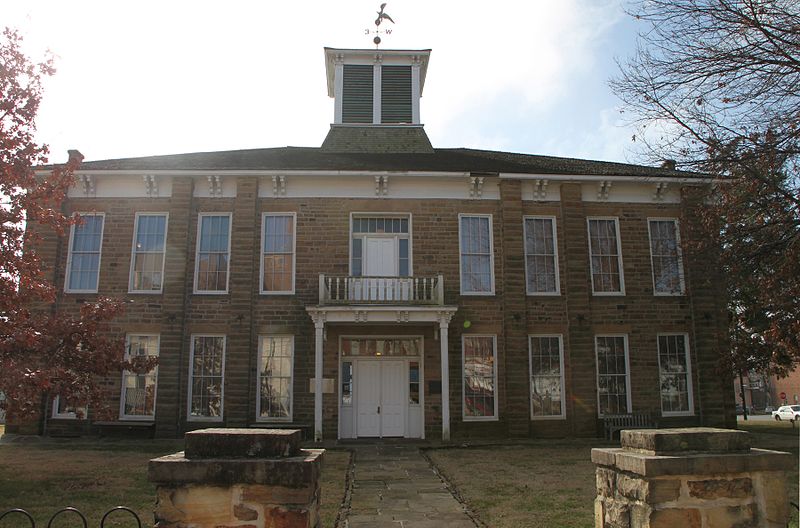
(379, 287)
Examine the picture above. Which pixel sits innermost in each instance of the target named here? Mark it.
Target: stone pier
(249, 478)
(690, 478)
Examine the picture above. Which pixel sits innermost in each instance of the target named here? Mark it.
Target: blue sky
(144, 78)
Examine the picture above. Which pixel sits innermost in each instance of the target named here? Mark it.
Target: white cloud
(159, 77)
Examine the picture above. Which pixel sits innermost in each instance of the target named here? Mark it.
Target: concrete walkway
(394, 486)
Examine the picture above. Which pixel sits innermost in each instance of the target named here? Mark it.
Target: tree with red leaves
(43, 354)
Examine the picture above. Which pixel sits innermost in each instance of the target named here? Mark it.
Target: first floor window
(63, 408)
(206, 377)
(547, 377)
(613, 391)
(83, 259)
(139, 390)
(475, 243)
(480, 377)
(413, 382)
(275, 378)
(675, 374)
(347, 383)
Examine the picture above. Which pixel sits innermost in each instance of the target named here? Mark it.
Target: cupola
(376, 87)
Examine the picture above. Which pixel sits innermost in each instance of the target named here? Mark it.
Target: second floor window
(213, 253)
(277, 272)
(83, 260)
(381, 247)
(147, 257)
(665, 254)
(541, 257)
(475, 242)
(605, 256)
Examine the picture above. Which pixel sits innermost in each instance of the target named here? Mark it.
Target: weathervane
(382, 15)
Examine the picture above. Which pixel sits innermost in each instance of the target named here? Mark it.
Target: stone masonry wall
(693, 478)
(323, 247)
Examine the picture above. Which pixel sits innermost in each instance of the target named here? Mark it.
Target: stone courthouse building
(377, 286)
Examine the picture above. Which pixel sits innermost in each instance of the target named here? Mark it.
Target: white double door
(381, 401)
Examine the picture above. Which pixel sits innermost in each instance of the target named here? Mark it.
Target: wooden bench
(613, 423)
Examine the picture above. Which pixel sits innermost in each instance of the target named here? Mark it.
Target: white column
(415, 91)
(444, 324)
(376, 91)
(338, 88)
(319, 326)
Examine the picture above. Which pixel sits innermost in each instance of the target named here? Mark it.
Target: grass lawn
(96, 475)
(552, 483)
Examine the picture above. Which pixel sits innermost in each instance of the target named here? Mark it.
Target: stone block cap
(242, 443)
(686, 440)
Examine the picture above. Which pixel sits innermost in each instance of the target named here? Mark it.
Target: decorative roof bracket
(603, 188)
(475, 187)
(215, 186)
(540, 189)
(278, 186)
(660, 191)
(88, 184)
(381, 186)
(150, 185)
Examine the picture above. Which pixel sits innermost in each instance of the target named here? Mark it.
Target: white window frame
(681, 273)
(621, 291)
(68, 415)
(563, 415)
(491, 256)
(200, 216)
(67, 289)
(259, 418)
(264, 216)
(395, 236)
(555, 254)
(496, 415)
(134, 252)
(189, 416)
(136, 417)
(629, 401)
(689, 384)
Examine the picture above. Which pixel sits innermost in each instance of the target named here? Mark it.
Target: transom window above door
(381, 246)
(392, 346)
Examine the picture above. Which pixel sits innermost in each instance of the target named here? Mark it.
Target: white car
(787, 412)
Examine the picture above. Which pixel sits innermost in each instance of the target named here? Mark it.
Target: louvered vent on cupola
(396, 94)
(357, 93)
(376, 87)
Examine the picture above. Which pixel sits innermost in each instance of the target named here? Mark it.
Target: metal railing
(83, 520)
(349, 290)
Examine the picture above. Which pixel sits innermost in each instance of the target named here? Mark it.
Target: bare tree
(715, 85)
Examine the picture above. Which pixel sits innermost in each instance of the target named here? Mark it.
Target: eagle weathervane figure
(382, 15)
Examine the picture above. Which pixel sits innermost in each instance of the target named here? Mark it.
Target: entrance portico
(382, 405)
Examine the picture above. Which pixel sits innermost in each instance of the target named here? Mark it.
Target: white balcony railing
(343, 289)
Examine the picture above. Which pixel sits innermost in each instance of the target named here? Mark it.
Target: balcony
(410, 291)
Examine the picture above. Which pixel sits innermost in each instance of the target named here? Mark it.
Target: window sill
(548, 418)
(480, 419)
